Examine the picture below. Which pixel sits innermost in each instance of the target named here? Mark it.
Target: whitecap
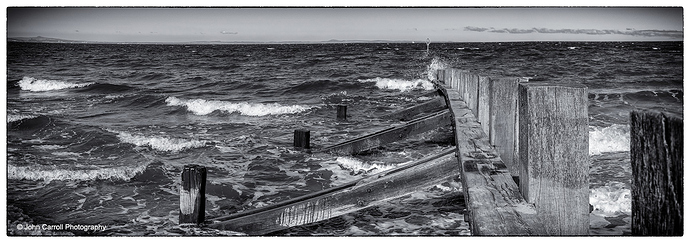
(614, 138)
(159, 143)
(40, 85)
(400, 84)
(42, 174)
(611, 199)
(357, 166)
(204, 107)
(17, 117)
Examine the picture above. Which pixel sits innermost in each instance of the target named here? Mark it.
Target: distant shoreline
(40, 39)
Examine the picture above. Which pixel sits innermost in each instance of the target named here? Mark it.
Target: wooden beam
(344, 199)
(554, 155)
(392, 134)
(407, 114)
(656, 153)
(494, 202)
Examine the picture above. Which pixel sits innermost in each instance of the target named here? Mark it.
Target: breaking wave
(39, 85)
(357, 166)
(47, 175)
(399, 84)
(159, 143)
(204, 107)
(614, 138)
(433, 67)
(18, 117)
(611, 199)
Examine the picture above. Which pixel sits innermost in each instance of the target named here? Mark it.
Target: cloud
(227, 32)
(628, 31)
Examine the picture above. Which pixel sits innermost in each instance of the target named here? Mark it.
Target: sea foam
(433, 67)
(17, 117)
(358, 166)
(38, 85)
(38, 174)
(611, 199)
(614, 138)
(159, 143)
(400, 84)
(204, 107)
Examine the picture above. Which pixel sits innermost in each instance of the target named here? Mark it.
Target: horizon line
(43, 39)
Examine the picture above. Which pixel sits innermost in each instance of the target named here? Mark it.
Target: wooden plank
(392, 134)
(554, 155)
(495, 204)
(504, 122)
(434, 105)
(656, 153)
(344, 199)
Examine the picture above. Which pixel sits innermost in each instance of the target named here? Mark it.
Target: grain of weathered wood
(484, 102)
(554, 155)
(493, 199)
(504, 123)
(193, 195)
(344, 199)
(407, 114)
(367, 142)
(472, 93)
(656, 153)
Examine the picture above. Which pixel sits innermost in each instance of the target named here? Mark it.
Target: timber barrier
(521, 150)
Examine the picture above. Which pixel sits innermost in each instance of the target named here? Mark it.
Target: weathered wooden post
(342, 112)
(301, 139)
(193, 195)
(483, 102)
(504, 121)
(554, 155)
(656, 153)
(441, 76)
(472, 92)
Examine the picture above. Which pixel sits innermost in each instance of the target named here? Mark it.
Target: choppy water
(98, 134)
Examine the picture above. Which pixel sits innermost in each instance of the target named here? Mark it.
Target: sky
(439, 24)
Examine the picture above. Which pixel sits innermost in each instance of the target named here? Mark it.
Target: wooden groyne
(656, 153)
(551, 164)
(521, 150)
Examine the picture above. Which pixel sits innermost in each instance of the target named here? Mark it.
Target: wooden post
(342, 112)
(441, 76)
(483, 102)
(472, 91)
(504, 121)
(554, 155)
(301, 139)
(656, 153)
(193, 195)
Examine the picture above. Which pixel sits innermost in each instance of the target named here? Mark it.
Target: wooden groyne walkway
(521, 150)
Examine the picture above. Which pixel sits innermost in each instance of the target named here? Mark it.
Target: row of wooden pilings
(540, 131)
(523, 154)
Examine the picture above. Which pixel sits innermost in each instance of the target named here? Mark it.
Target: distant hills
(41, 39)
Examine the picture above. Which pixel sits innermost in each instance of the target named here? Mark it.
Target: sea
(98, 134)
